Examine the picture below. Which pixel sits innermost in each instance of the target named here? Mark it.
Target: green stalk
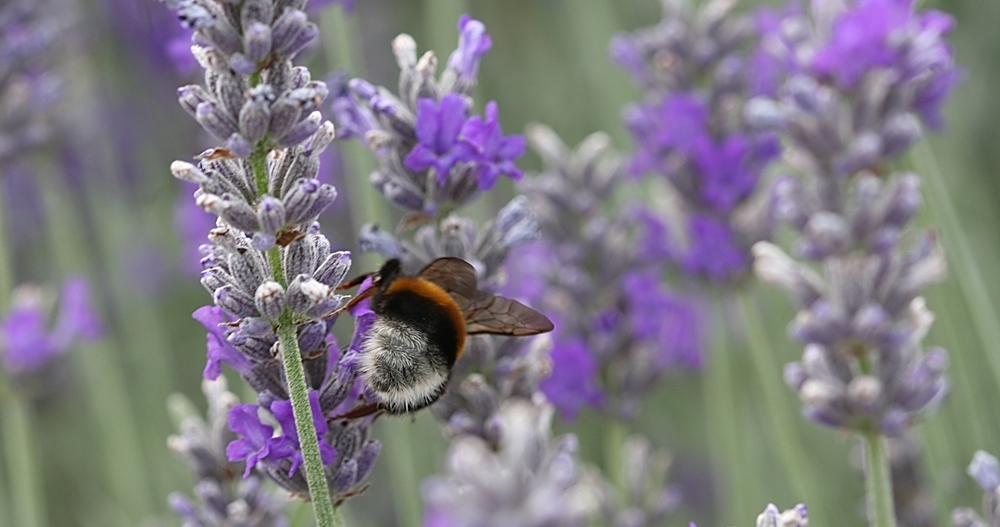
(27, 496)
(782, 425)
(326, 515)
(723, 430)
(878, 483)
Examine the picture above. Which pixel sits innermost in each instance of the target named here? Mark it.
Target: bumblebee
(421, 326)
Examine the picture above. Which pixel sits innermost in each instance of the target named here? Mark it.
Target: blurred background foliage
(109, 212)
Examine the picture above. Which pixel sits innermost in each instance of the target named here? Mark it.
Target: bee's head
(389, 271)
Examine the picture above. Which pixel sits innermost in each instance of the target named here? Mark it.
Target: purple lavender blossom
(699, 72)
(29, 341)
(438, 127)
(862, 319)
(31, 34)
(613, 311)
(573, 382)
(427, 125)
(495, 153)
(221, 499)
(267, 265)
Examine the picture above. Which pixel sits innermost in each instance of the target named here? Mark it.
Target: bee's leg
(353, 302)
(354, 281)
(361, 411)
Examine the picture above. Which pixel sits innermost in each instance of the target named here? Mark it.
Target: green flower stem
(782, 418)
(326, 515)
(27, 499)
(723, 419)
(878, 483)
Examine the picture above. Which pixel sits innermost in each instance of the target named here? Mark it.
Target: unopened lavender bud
(325, 197)
(302, 130)
(300, 78)
(300, 199)
(190, 97)
(215, 121)
(256, 12)
(333, 270)
(303, 39)
(366, 459)
(405, 50)
(305, 293)
(270, 299)
(764, 114)
(255, 119)
(247, 268)
(322, 138)
(894, 422)
(210, 203)
(865, 392)
(242, 64)
(804, 91)
(345, 477)
(904, 201)
(871, 323)
(235, 302)
(208, 57)
(312, 337)
(795, 376)
(262, 241)
(770, 517)
(286, 29)
(222, 35)
(816, 392)
(185, 171)
(864, 151)
(300, 257)
(238, 213)
(239, 146)
(771, 264)
(899, 133)
(826, 233)
(311, 96)
(254, 327)
(985, 469)
(271, 214)
(304, 167)
(517, 222)
(194, 16)
(374, 239)
(285, 114)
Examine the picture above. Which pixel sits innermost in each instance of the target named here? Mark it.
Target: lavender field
(531, 263)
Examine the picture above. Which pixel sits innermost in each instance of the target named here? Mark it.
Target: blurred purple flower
(731, 168)
(27, 341)
(712, 252)
(438, 128)
(573, 383)
(495, 153)
(665, 319)
(874, 34)
(192, 224)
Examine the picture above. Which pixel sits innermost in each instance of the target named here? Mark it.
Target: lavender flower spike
(220, 500)
(700, 71)
(432, 153)
(528, 481)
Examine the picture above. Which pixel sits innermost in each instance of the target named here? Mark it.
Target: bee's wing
(489, 313)
(484, 312)
(456, 276)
